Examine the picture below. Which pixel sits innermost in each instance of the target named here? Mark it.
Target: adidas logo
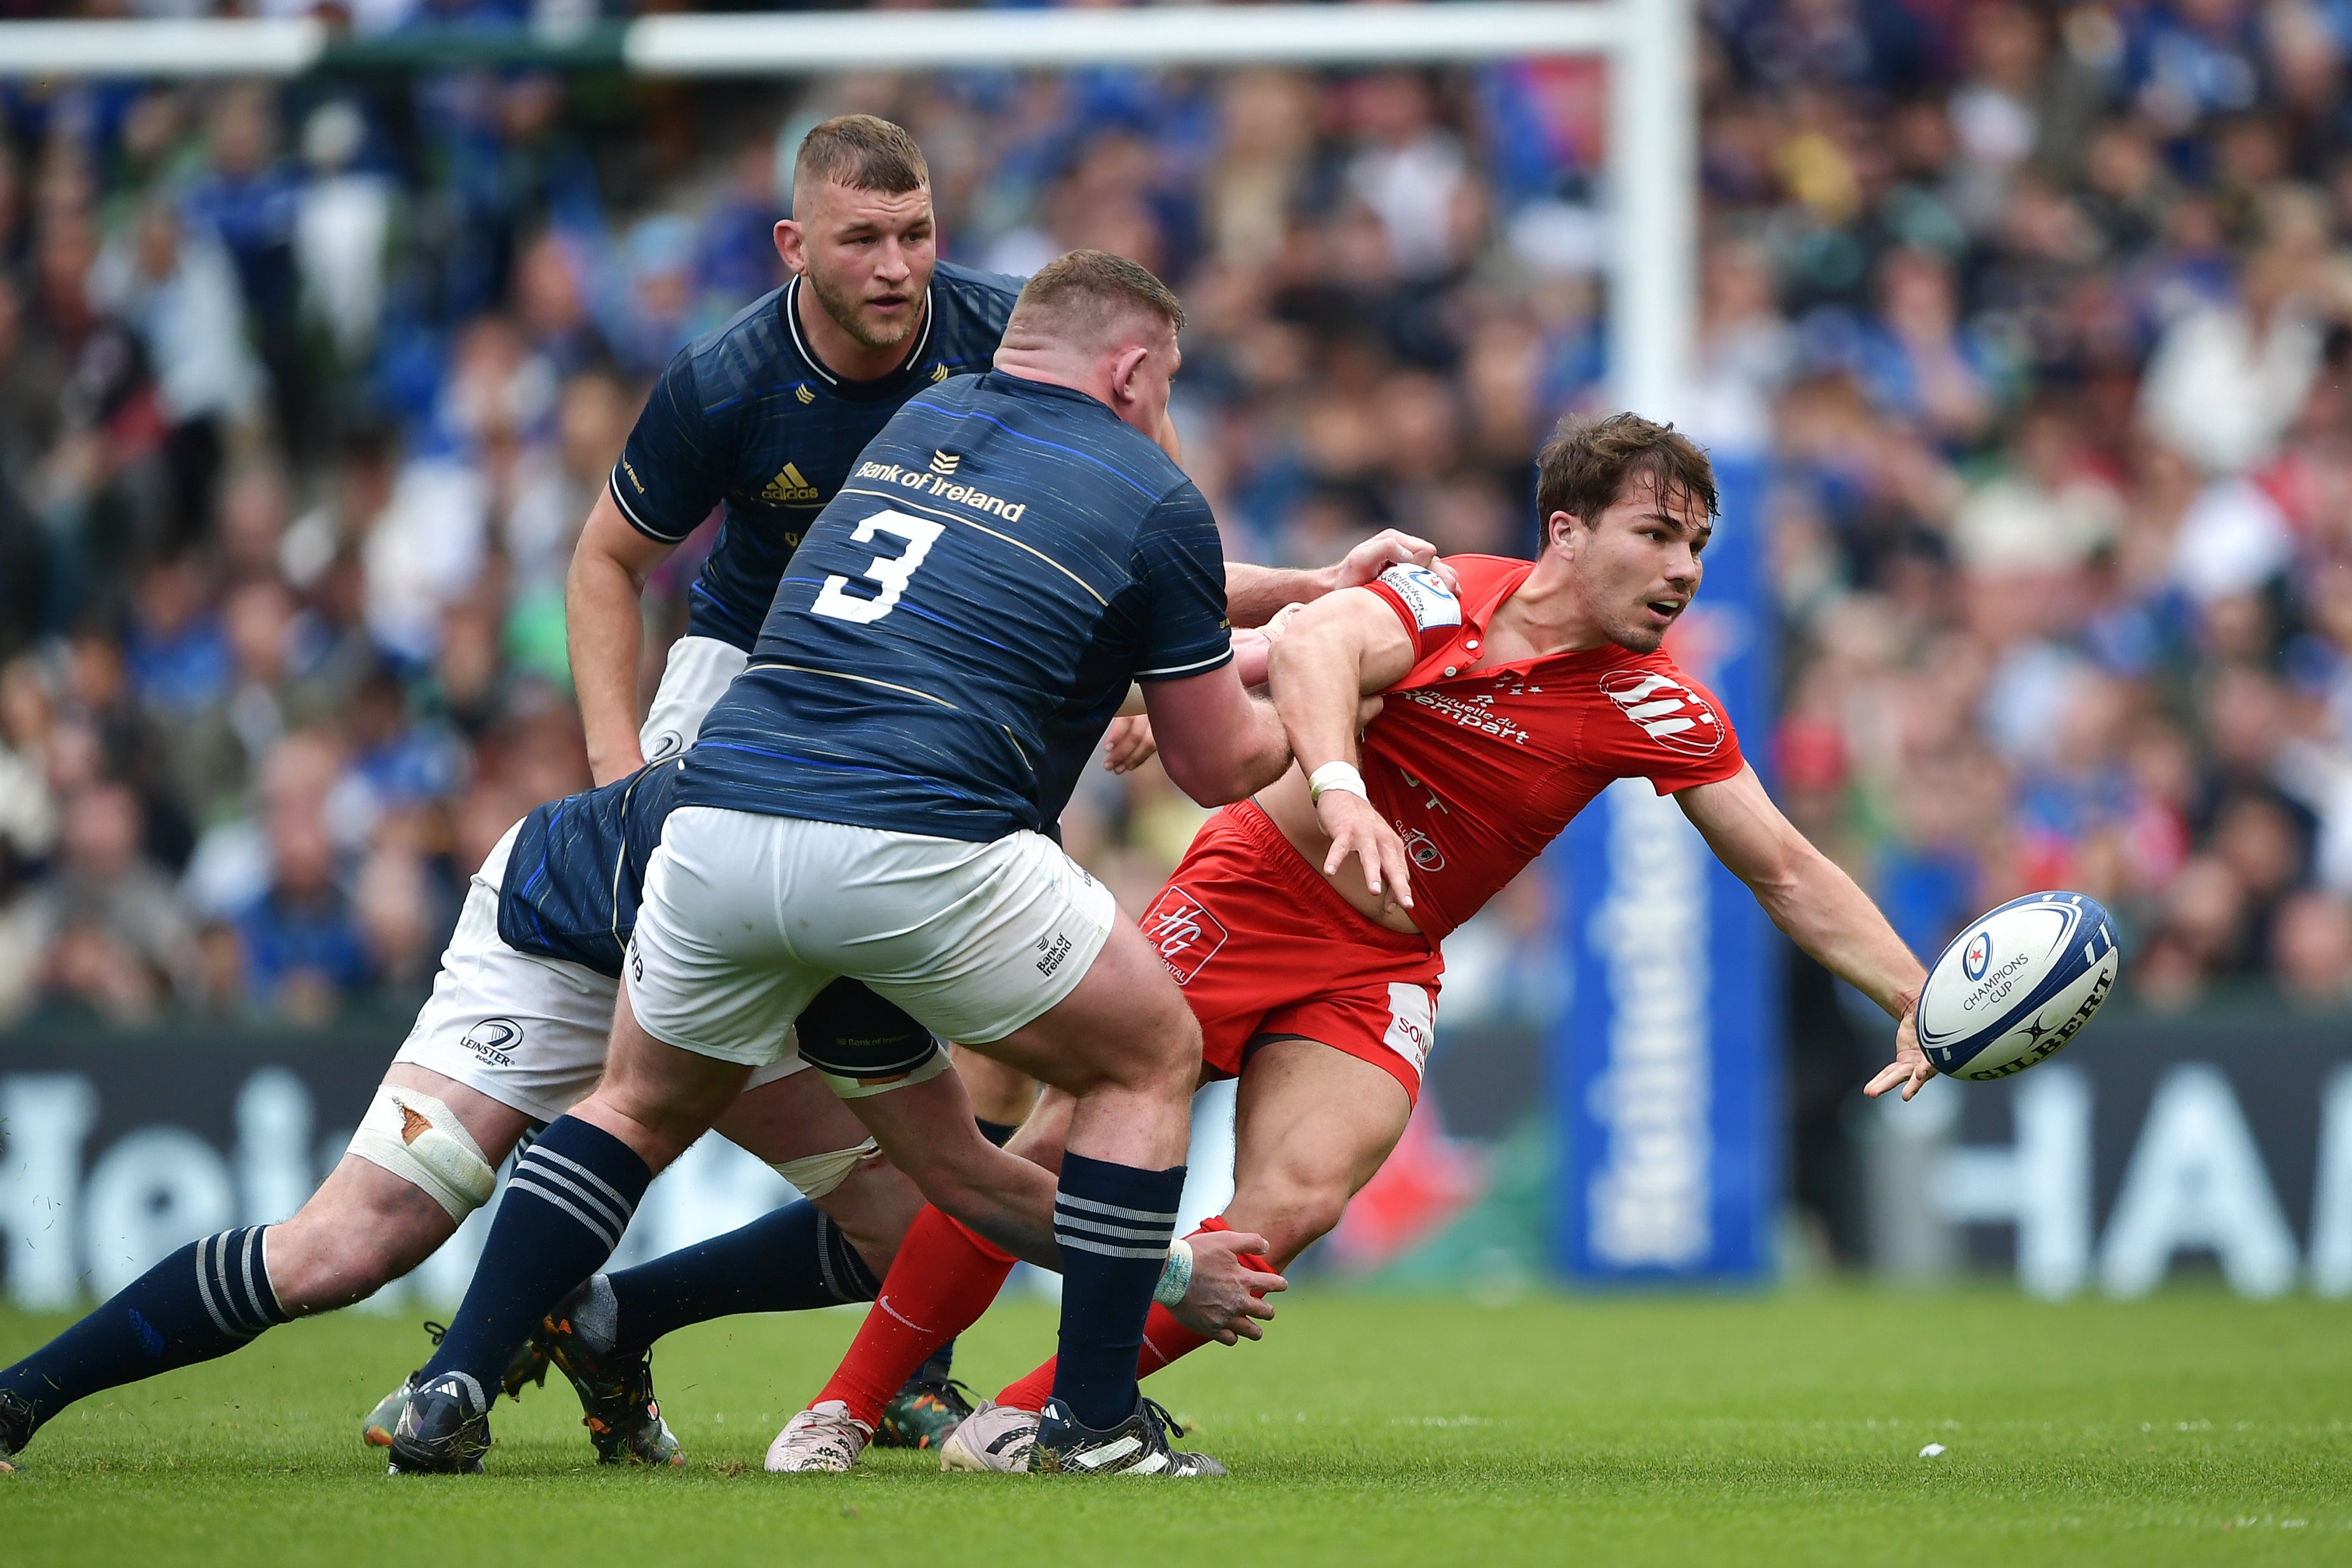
(945, 462)
(789, 487)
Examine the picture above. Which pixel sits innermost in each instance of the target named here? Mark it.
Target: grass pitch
(1369, 1429)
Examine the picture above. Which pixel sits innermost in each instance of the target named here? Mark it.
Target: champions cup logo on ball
(1978, 954)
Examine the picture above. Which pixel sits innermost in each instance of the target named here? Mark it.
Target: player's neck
(1547, 616)
(844, 355)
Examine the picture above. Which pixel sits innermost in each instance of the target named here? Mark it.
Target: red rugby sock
(1164, 1340)
(941, 1281)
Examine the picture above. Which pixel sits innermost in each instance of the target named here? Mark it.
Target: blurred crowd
(2038, 319)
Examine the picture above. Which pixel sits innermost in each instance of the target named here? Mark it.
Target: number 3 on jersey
(894, 573)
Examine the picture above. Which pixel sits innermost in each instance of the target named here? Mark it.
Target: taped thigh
(815, 1176)
(421, 1141)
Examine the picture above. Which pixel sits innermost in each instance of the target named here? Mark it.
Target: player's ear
(1124, 369)
(790, 244)
(1562, 532)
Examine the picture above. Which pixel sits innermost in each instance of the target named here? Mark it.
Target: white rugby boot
(1136, 1447)
(992, 1437)
(823, 1439)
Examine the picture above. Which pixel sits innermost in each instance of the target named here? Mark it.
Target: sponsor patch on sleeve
(1666, 710)
(1425, 596)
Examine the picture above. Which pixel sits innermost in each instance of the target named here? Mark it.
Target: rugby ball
(2016, 984)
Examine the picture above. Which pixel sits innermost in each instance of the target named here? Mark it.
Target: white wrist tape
(421, 1141)
(1341, 776)
(1175, 1275)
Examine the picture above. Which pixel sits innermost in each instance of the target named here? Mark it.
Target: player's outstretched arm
(1333, 654)
(1217, 742)
(604, 627)
(1255, 594)
(1818, 905)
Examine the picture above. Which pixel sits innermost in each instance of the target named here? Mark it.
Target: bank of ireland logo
(1186, 935)
(1978, 957)
(1666, 710)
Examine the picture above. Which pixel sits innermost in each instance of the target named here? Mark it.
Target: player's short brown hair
(1587, 464)
(863, 152)
(1080, 296)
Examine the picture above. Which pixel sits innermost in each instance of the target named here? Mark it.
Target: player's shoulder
(977, 288)
(1661, 706)
(1480, 575)
(742, 351)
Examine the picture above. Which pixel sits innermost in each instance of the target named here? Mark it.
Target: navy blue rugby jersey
(963, 620)
(749, 417)
(577, 872)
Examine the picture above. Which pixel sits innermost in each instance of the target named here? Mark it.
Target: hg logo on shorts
(1186, 935)
(489, 1039)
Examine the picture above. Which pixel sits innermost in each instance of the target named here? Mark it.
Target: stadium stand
(2041, 314)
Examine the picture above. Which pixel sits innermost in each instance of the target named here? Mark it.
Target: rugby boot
(825, 1438)
(995, 1437)
(445, 1430)
(15, 1430)
(617, 1393)
(922, 1414)
(528, 1367)
(1136, 1447)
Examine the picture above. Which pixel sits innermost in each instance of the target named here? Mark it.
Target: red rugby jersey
(1479, 772)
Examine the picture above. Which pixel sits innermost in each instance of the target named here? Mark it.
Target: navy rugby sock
(785, 1261)
(571, 1196)
(205, 1301)
(1113, 1224)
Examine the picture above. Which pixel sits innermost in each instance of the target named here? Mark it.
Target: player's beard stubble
(848, 314)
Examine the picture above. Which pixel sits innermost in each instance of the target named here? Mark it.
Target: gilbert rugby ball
(2017, 984)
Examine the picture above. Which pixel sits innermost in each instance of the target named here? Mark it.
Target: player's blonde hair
(1083, 297)
(863, 152)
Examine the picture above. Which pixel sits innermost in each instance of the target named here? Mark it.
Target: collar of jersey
(791, 309)
(1475, 617)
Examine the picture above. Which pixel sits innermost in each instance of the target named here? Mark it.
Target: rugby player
(951, 638)
(514, 1034)
(1303, 925)
(763, 419)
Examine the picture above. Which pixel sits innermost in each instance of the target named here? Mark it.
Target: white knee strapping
(859, 1087)
(421, 1141)
(813, 1175)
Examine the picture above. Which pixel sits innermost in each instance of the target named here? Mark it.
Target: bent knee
(1291, 1221)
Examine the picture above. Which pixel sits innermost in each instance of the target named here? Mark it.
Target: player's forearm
(1241, 758)
(604, 629)
(1827, 915)
(1255, 594)
(1316, 676)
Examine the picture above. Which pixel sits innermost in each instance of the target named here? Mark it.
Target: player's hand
(1357, 829)
(1254, 645)
(1127, 744)
(1911, 1067)
(1389, 547)
(1226, 1300)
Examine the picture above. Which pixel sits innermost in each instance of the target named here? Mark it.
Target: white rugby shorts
(698, 674)
(747, 917)
(529, 1032)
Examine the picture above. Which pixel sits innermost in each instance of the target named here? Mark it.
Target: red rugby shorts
(1264, 948)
